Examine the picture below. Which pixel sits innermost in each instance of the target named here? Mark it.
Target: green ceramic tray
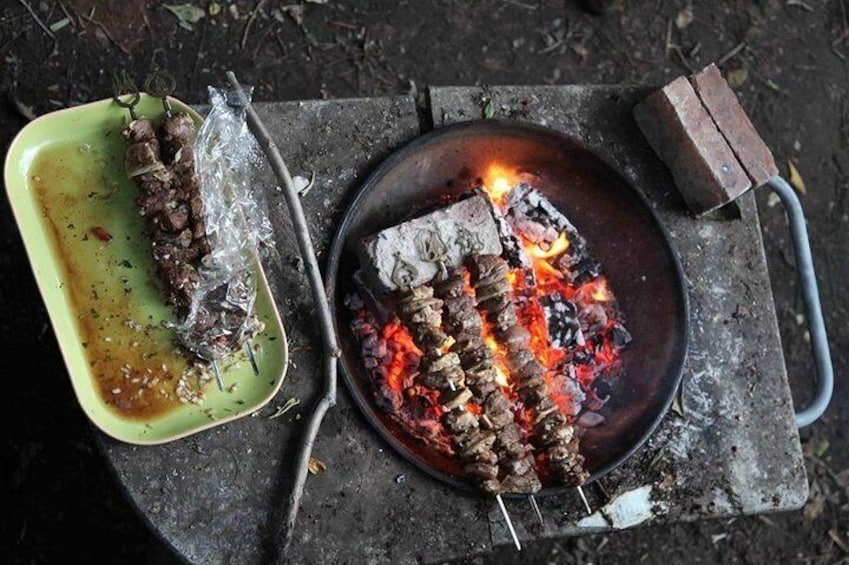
(65, 180)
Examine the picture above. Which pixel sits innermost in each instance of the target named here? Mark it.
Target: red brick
(682, 133)
(724, 107)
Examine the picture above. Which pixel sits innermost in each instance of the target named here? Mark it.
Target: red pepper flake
(101, 233)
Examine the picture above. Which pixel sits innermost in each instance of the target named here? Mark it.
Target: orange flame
(557, 247)
(597, 290)
(497, 182)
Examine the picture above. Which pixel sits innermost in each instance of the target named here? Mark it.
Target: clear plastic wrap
(229, 166)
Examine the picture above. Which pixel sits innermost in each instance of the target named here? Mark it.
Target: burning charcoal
(513, 250)
(409, 254)
(528, 204)
(621, 337)
(592, 318)
(590, 420)
(584, 271)
(594, 402)
(564, 329)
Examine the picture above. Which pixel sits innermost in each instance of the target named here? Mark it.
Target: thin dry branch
(331, 348)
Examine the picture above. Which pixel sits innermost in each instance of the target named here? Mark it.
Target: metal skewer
(250, 351)
(535, 506)
(161, 84)
(584, 498)
(123, 85)
(509, 522)
(217, 374)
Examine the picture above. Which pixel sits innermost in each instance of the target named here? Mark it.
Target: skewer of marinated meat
(441, 369)
(162, 165)
(551, 429)
(464, 323)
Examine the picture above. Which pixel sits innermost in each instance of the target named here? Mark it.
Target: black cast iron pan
(619, 226)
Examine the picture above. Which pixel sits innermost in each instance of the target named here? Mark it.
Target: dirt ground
(788, 61)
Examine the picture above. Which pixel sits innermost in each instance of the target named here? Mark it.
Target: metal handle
(811, 300)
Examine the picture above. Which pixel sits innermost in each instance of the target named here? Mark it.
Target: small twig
(40, 23)
(325, 320)
(736, 49)
(669, 44)
(522, 4)
(67, 13)
(250, 22)
(90, 19)
(677, 50)
(800, 4)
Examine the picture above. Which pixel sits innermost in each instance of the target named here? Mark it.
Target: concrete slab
(218, 497)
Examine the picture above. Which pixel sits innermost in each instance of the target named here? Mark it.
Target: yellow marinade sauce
(112, 285)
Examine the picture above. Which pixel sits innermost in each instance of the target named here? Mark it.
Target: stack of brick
(698, 128)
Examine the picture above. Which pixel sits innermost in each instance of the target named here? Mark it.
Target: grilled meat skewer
(552, 430)
(440, 369)
(465, 324)
(162, 165)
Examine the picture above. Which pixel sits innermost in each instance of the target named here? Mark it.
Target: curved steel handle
(811, 299)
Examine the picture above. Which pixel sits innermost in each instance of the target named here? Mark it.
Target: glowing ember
(568, 310)
(404, 356)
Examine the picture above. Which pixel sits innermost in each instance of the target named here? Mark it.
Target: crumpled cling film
(228, 163)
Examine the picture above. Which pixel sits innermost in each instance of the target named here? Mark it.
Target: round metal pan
(621, 229)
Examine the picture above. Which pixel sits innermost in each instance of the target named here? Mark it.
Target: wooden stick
(331, 348)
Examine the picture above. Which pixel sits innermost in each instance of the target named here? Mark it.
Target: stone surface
(722, 105)
(735, 450)
(218, 496)
(454, 232)
(685, 137)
